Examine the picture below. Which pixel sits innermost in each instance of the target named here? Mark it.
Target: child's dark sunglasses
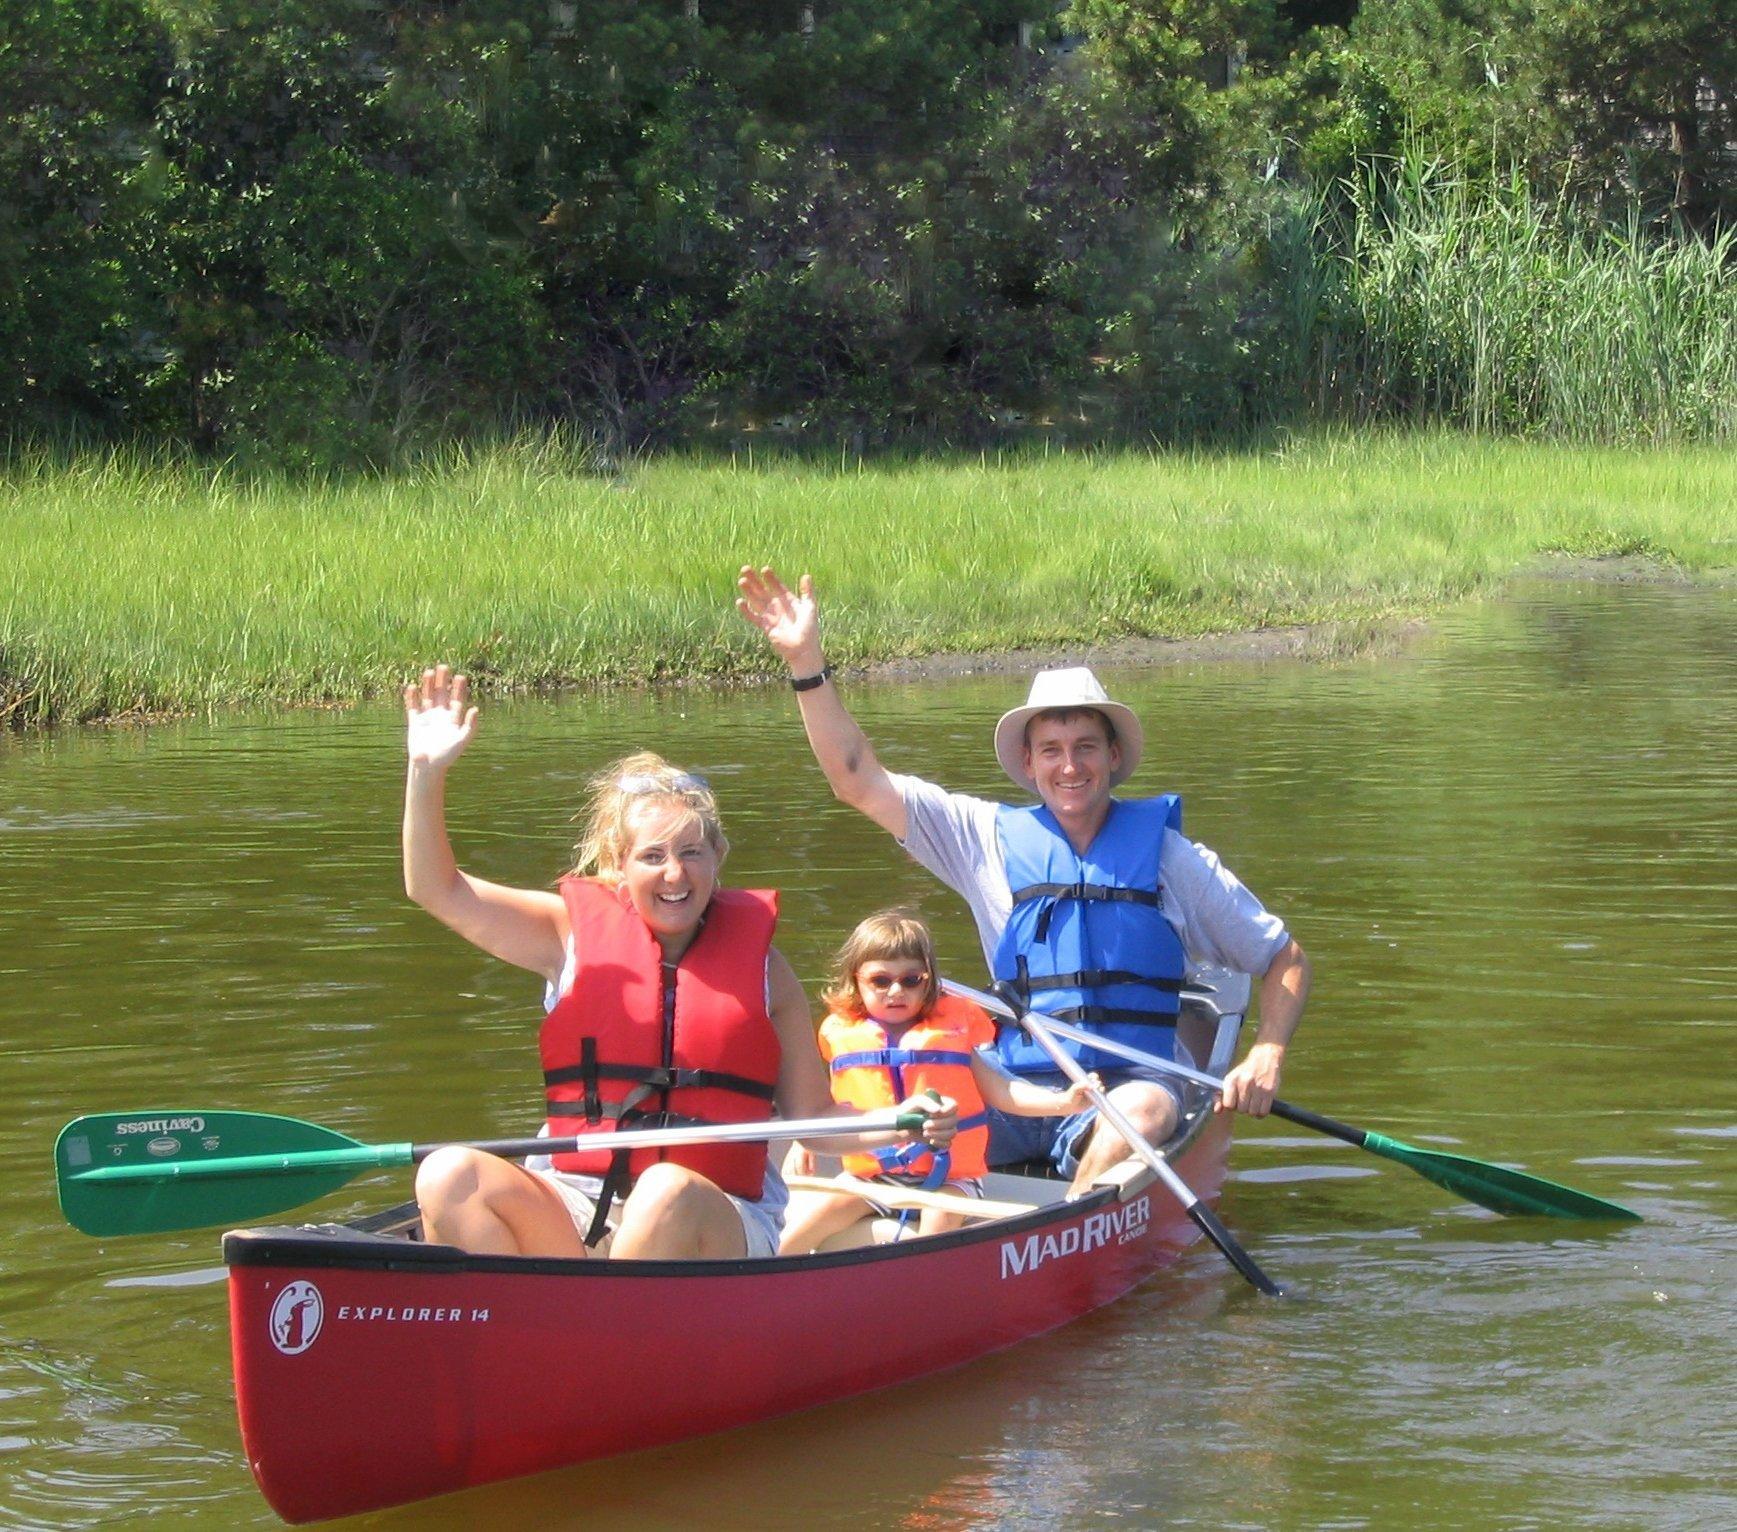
(880, 983)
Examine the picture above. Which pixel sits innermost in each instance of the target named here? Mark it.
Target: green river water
(1508, 849)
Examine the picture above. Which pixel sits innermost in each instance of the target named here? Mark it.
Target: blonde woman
(665, 1001)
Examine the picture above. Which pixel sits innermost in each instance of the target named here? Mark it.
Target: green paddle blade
(1494, 1186)
(150, 1171)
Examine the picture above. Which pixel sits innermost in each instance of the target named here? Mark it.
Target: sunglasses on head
(880, 983)
(642, 782)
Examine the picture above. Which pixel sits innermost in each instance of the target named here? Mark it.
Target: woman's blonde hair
(618, 790)
(884, 936)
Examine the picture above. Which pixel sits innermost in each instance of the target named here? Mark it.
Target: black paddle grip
(1303, 1117)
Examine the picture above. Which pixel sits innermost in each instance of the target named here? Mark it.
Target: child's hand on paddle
(789, 619)
(440, 722)
(940, 1119)
(1078, 1096)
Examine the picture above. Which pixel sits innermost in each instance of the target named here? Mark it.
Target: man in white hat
(1092, 907)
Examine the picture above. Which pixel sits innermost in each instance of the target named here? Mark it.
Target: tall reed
(1472, 303)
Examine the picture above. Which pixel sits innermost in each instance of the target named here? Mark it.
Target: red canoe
(371, 1369)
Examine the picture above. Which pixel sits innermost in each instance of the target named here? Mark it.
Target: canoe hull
(372, 1373)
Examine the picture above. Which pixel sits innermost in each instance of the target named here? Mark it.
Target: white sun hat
(1073, 688)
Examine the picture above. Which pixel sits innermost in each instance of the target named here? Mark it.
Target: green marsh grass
(134, 585)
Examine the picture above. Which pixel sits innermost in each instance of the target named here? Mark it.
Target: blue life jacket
(1087, 941)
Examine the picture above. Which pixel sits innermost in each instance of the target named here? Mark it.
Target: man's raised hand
(789, 619)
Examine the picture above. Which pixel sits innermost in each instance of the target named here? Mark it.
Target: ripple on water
(1281, 1174)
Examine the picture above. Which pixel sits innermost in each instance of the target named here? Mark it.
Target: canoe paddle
(1496, 1187)
(149, 1172)
(1206, 1220)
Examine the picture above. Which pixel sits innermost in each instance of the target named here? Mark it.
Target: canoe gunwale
(308, 1246)
(295, 1247)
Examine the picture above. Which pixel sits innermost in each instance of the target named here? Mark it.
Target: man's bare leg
(1150, 1108)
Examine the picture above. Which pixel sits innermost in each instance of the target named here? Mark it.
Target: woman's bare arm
(526, 927)
(791, 622)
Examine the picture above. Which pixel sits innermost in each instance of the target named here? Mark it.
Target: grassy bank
(132, 586)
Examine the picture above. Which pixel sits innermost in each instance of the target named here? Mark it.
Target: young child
(890, 1034)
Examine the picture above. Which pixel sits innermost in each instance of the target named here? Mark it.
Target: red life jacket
(620, 1049)
(872, 1070)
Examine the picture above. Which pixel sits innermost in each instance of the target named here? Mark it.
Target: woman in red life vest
(891, 1034)
(667, 1002)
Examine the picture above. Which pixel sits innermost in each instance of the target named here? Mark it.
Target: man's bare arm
(791, 622)
(1253, 1084)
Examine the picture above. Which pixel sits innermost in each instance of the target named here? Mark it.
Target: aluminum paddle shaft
(151, 1171)
(361, 1157)
(1203, 1216)
(1513, 1193)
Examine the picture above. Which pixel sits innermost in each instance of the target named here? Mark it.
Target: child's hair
(618, 790)
(885, 935)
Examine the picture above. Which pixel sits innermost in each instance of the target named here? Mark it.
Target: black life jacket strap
(618, 1178)
(1096, 978)
(1095, 893)
(615, 1178)
(623, 1116)
(1110, 1016)
(587, 1072)
(590, 1071)
(614, 1184)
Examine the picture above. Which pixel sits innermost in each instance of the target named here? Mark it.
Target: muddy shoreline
(1317, 641)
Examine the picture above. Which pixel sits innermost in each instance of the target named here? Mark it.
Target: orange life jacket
(622, 1048)
(872, 1070)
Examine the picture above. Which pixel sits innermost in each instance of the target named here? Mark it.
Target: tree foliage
(318, 232)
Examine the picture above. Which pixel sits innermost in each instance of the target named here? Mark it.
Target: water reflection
(1507, 849)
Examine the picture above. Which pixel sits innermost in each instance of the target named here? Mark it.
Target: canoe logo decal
(296, 1318)
(1119, 1226)
(163, 1147)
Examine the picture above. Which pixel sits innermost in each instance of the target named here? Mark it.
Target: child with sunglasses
(890, 1034)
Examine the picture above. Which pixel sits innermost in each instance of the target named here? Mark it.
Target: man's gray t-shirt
(1219, 921)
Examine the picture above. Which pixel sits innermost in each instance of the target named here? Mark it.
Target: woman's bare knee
(673, 1213)
(665, 1191)
(447, 1178)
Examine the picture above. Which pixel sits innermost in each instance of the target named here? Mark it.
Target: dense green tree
(79, 84)
(319, 231)
(1643, 96)
(1457, 73)
(1624, 103)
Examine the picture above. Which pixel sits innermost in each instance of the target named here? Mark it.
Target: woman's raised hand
(789, 619)
(440, 720)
